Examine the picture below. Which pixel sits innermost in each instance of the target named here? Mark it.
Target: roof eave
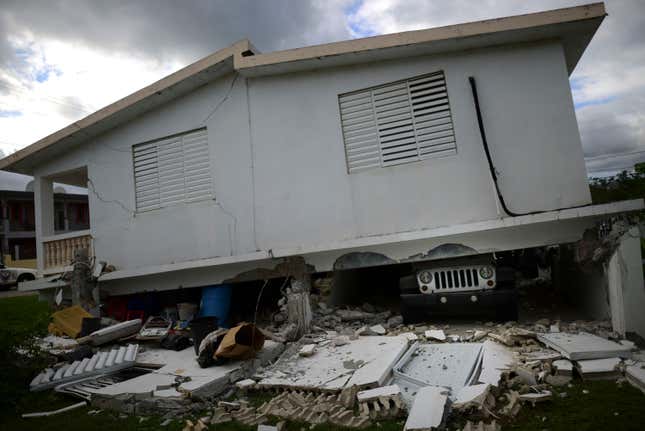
(575, 26)
(174, 85)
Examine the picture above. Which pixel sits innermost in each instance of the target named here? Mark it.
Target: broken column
(82, 287)
(298, 305)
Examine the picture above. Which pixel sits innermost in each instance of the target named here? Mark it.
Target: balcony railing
(59, 249)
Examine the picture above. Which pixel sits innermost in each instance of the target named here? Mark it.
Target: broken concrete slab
(435, 334)
(479, 335)
(381, 403)
(496, 359)
(597, 369)
(383, 391)
(377, 330)
(584, 346)
(471, 396)
(635, 374)
(536, 397)
(57, 345)
(563, 367)
(428, 409)
(307, 350)
(111, 333)
(410, 336)
(364, 362)
(181, 376)
(451, 366)
(245, 384)
(541, 355)
(513, 336)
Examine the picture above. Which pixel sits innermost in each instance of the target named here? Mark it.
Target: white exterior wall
(292, 160)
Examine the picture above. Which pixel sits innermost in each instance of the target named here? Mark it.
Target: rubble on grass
(361, 365)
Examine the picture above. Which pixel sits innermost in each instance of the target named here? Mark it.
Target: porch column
(4, 227)
(626, 287)
(44, 209)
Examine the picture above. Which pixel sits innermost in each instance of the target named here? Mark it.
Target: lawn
(587, 405)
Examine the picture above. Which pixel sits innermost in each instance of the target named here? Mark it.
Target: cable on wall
(491, 166)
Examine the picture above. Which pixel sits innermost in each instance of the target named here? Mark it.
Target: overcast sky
(62, 59)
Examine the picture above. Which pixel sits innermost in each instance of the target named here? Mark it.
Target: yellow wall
(21, 263)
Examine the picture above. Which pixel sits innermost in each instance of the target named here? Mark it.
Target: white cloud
(80, 80)
(608, 83)
(93, 53)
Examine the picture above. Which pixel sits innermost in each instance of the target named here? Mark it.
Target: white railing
(59, 249)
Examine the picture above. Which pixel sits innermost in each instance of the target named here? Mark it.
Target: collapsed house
(445, 149)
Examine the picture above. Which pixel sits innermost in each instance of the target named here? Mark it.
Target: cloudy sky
(62, 59)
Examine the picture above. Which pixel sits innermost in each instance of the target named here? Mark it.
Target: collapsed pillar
(298, 305)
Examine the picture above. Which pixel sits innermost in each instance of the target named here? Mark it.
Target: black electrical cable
(491, 166)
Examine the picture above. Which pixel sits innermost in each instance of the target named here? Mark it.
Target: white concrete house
(360, 152)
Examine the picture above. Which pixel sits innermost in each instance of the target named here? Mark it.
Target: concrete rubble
(381, 403)
(428, 410)
(358, 366)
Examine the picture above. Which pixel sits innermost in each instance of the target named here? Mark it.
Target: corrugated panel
(397, 123)
(172, 171)
(101, 362)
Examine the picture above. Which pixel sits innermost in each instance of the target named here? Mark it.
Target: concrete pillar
(65, 216)
(4, 227)
(626, 287)
(298, 305)
(44, 209)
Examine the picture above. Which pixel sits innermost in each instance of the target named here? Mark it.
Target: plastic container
(201, 327)
(216, 302)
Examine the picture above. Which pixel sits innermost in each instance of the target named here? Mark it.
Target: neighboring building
(350, 154)
(18, 221)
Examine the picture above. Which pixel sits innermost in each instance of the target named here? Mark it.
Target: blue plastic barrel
(216, 302)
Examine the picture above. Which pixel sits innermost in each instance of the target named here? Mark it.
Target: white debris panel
(592, 369)
(364, 362)
(635, 375)
(428, 409)
(495, 360)
(180, 376)
(452, 366)
(584, 346)
(100, 363)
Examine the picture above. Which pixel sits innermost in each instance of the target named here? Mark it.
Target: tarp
(69, 321)
(240, 342)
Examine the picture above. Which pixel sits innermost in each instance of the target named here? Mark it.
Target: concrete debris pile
(356, 366)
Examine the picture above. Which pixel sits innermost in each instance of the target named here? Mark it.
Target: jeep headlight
(425, 277)
(486, 272)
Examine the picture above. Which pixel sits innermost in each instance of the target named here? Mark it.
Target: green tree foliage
(622, 186)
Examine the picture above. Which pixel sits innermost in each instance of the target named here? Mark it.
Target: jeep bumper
(497, 303)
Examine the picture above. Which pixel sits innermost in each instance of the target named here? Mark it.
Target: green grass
(605, 406)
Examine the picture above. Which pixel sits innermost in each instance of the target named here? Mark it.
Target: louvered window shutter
(172, 170)
(396, 123)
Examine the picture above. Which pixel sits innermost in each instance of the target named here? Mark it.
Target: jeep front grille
(456, 278)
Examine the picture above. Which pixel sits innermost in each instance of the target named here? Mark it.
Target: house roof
(574, 27)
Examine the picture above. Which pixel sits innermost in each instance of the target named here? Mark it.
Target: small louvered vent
(172, 170)
(397, 123)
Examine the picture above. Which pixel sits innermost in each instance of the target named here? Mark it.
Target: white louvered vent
(172, 170)
(397, 123)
